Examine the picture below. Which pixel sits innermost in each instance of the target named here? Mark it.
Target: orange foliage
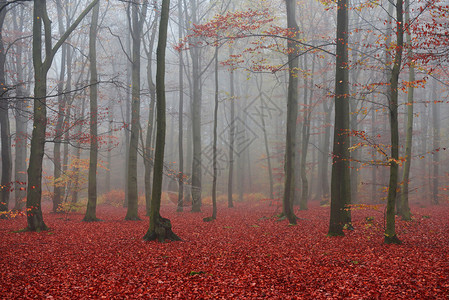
(115, 198)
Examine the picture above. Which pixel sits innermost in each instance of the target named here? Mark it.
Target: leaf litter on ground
(241, 254)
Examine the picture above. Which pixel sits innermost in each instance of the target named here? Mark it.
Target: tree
(35, 220)
(390, 232)
(436, 143)
(231, 139)
(214, 145)
(306, 136)
(160, 228)
(93, 153)
(340, 180)
(5, 188)
(181, 115)
(292, 112)
(404, 209)
(148, 150)
(196, 120)
(57, 188)
(136, 25)
(21, 115)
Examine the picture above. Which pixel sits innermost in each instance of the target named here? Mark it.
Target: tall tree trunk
(181, 116)
(214, 145)
(306, 138)
(21, 120)
(68, 101)
(91, 211)
(76, 168)
(6, 184)
(35, 220)
(160, 228)
(231, 140)
(127, 118)
(374, 188)
(390, 232)
(59, 129)
(324, 176)
(404, 209)
(354, 172)
(148, 153)
(109, 154)
(292, 112)
(137, 19)
(340, 180)
(436, 144)
(196, 121)
(265, 138)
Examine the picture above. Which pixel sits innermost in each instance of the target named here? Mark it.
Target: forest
(267, 149)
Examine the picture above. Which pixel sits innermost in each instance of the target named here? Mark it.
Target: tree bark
(76, 169)
(292, 112)
(181, 117)
(91, 211)
(196, 122)
(34, 189)
(59, 130)
(305, 139)
(231, 140)
(324, 176)
(340, 180)
(148, 153)
(6, 184)
(436, 144)
(137, 19)
(214, 145)
(160, 228)
(404, 209)
(390, 232)
(21, 123)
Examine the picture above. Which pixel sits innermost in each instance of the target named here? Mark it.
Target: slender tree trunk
(231, 140)
(160, 228)
(6, 184)
(181, 115)
(148, 153)
(34, 189)
(68, 101)
(196, 121)
(76, 168)
(324, 176)
(404, 209)
(21, 123)
(436, 144)
(91, 211)
(214, 145)
(138, 17)
(354, 172)
(21, 118)
(374, 188)
(196, 132)
(305, 140)
(109, 154)
(340, 181)
(59, 129)
(390, 232)
(127, 119)
(292, 113)
(214, 155)
(267, 147)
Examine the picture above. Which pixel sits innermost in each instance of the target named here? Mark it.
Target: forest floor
(244, 254)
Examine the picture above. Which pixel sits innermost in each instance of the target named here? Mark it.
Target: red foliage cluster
(432, 32)
(245, 253)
